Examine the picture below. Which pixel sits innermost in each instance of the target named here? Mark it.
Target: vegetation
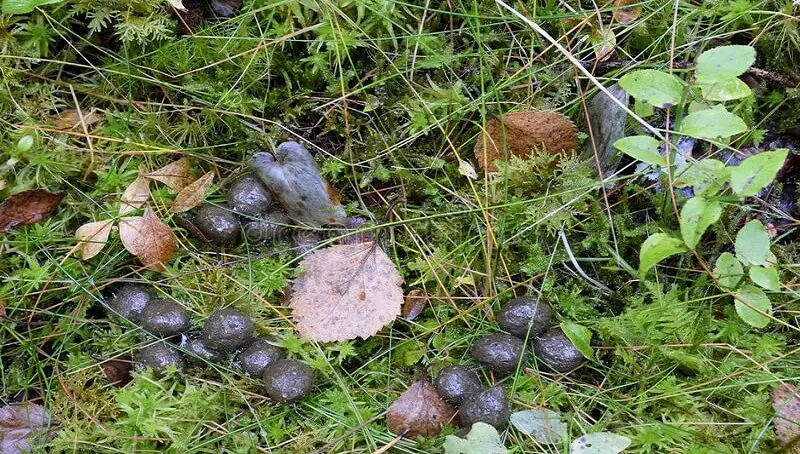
(391, 97)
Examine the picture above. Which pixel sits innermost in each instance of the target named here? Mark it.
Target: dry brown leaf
(177, 175)
(117, 371)
(23, 427)
(414, 303)
(193, 194)
(625, 14)
(524, 134)
(92, 238)
(149, 239)
(346, 291)
(27, 207)
(786, 403)
(71, 119)
(419, 411)
(135, 195)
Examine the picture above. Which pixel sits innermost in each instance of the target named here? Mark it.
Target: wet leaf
(71, 119)
(752, 244)
(193, 194)
(712, 124)
(414, 303)
(346, 291)
(766, 278)
(23, 426)
(753, 306)
(481, 439)
(92, 238)
(599, 443)
(724, 63)
(149, 239)
(523, 134)
(657, 88)
(135, 195)
(756, 172)
(176, 175)
(420, 410)
(604, 42)
(786, 403)
(27, 207)
(542, 424)
(728, 270)
(625, 14)
(117, 371)
(656, 248)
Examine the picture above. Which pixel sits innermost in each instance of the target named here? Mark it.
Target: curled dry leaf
(524, 134)
(92, 238)
(177, 174)
(23, 426)
(604, 42)
(149, 239)
(346, 291)
(414, 303)
(135, 195)
(117, 371)
(419, 411)
(786, 403)
(71, 119)
(27, 207)
(192, 195)
(625, 14)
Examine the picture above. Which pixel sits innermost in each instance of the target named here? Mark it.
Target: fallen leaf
(117, 371)
(149, 239)
(599, 443)
(604, 42)
(346, 291)
(481, 439)
(135, 195)
(420, 410)
(414, 303)
(27, 207)
(92, 238)
(542, 424)
(71, 119)
(786, 403)
(466, 169)
(524, 134)
(193, 194)
(23, 426)
(177, 174)
(625, 14)
(607, 122)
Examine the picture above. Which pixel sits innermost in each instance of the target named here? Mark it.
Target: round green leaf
(728, 270)
(725, 90)
(756, 172)
(712, 124)
(752, 244)
(542, 424)
(765, 277)
(481, 439)
(706, 176)
(751, 305)
(696, 216)
(653, 87)
(24, 143)
(643, 148)
(24, 6)
(724, 62)
(656, 248)
(580, 336)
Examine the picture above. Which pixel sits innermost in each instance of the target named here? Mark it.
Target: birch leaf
(92, 238)
(149, 239)
(135, 195)
(177, 174)
(193, 194)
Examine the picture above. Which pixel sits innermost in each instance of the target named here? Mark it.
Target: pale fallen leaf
(625, 14)
(71, 119)
(542, 424)
(466, 169)
(481, 439)
(135, 195)
(193, 194)
(177, 4)
(346, 291)
(414, 303)
(149, 239)
(786, 403)
(177, 174)
(599, 443)
(92, 238)
(27, 207)
(420, 410)
(523, 134)
(604, 42)
(23, 426)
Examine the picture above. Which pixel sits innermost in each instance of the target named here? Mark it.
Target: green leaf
(542, 424)
(712, 124)
(706, 176)
(697, 215)
(752, 244)
(656, 248)
(728, 270)
(765, 277)
(724, 62)
(750, 302)
(653, 87)
(755, 172)
(599, 443)
(481, 439)
(643, 148)
(643, 109)
(24, 6)
(725, 90)
(580, 336)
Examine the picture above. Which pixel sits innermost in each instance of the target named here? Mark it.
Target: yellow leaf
(92, 238)
(149, 239)
(193, 194)
(177, 175)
